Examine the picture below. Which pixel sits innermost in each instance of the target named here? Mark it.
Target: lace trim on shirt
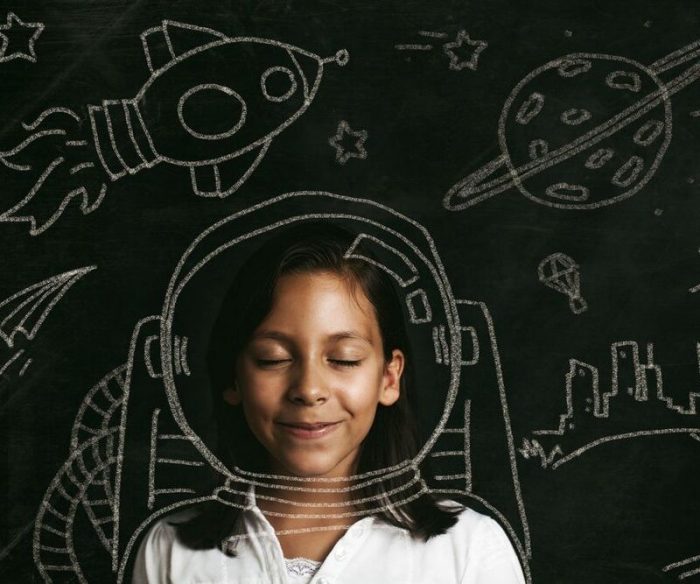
(302, 566)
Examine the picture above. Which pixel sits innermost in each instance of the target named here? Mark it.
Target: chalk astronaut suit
(140, 441)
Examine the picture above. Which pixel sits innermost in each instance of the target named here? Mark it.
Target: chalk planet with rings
(582, 131)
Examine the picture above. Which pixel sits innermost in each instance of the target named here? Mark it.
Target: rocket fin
(163, 44)
(212, 180)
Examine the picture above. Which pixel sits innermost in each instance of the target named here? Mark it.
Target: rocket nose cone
(309, 68)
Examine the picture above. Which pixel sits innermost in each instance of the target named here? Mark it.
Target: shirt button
(358, 532)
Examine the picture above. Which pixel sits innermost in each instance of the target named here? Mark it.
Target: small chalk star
(343, 152)
(16, 32)
(472, 59)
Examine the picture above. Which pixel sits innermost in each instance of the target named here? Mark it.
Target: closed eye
(271, 362)
(345, 363)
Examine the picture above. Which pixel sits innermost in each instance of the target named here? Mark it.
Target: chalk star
(342, 152)
(13, 30)
(472, 59)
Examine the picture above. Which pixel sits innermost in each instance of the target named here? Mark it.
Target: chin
(311, 469)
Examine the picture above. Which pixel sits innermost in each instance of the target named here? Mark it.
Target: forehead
(322, 296)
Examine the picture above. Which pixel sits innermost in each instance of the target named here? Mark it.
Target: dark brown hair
(311, 247)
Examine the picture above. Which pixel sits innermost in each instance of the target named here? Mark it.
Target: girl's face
(312, 375)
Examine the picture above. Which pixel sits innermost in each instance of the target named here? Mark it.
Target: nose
(308, 386)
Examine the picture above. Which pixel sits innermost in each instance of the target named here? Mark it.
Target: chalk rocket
(211, 102)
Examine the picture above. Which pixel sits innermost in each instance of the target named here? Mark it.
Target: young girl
(311, 358)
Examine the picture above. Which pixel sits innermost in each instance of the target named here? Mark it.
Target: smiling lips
(305, 430)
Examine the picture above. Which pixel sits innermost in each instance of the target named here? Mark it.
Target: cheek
(363, 395)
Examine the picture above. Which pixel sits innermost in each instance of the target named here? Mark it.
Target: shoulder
(164, 531)
(157, 547)
(481, 549)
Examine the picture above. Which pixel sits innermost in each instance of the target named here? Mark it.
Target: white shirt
(475, 550)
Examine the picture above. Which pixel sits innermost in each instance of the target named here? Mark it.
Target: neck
(284, 500)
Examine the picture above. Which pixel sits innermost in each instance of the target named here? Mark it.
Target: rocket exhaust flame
(58, 162)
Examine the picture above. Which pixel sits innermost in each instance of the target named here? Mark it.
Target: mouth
(305, 430)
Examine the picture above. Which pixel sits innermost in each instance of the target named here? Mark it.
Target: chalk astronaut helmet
(205, 272)
(158, 397)
(447, 337)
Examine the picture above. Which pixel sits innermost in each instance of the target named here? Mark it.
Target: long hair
(312, 247)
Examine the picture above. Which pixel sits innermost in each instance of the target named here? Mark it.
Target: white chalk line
(462, 39)
(601, 399)
(29, 140)
(470, 185)
(13, 19)
(16, 540)
(328, 505)
(677, 57)
(211, 41)
(509, 435)
(681, 563)
(576, 453)
(433, 34)
(341, 154)
(594, 136)
(11, 360)
(30, 127)
(152, 458)
(173, 295)
(433, 268)
(413, 47)
(57, 286)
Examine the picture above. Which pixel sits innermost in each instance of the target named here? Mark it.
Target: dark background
(620, 512)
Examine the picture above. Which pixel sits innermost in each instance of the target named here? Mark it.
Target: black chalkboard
(526, 171)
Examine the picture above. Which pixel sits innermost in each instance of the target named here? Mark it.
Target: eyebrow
(278, 335)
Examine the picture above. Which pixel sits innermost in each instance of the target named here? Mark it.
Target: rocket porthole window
(197, 104)
(278, 84)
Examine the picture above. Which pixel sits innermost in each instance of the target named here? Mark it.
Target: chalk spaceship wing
(21, 317)
(23, 313)
(211, 101)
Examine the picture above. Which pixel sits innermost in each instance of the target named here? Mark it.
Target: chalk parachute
(212, 104)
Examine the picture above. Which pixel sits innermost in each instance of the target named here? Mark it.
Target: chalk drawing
(107, 452)
(169, 120)
(421, 46)
(684, 569)
(13, 28)
(694, 289)
(463, 52)
(559, 272)
(339, 142)
(636, 405)
(70, 165)
(21, 317)
(128, 140)
(545, 167)
(463, 43)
